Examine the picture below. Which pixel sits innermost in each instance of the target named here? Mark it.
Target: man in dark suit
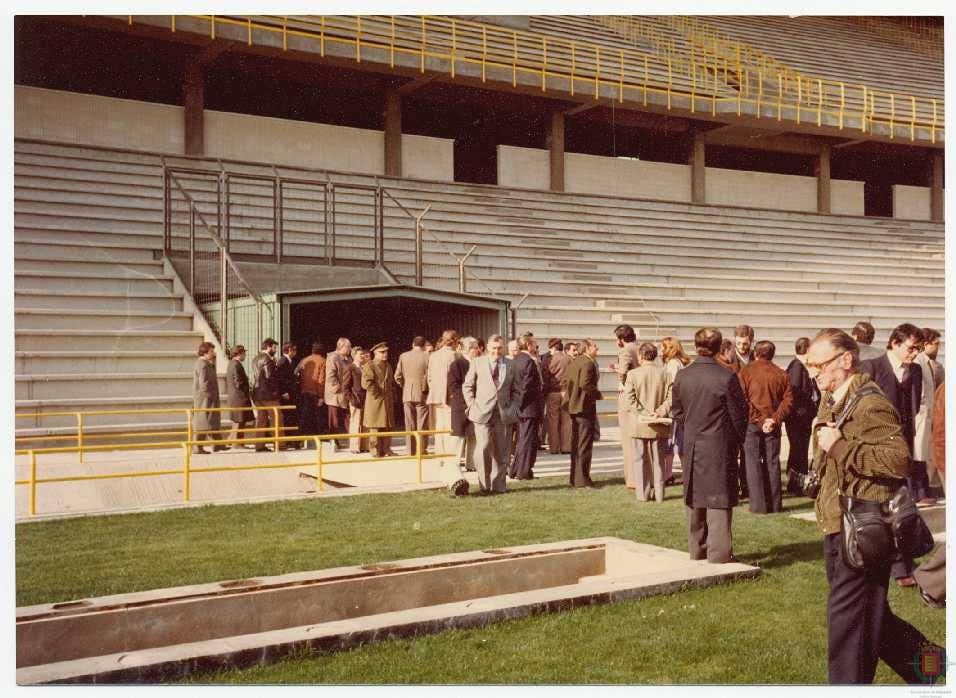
(901, 380)
(288, 391)
(806, 400)
(580, 385)
(528, 383)
(709, 401)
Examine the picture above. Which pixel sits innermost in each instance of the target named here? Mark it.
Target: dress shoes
(906, 581)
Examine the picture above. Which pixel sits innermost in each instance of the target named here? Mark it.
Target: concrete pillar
(556, 147)
(823, 180)
(193, 100)
(936, 201)
(698, 174)
(393, 135)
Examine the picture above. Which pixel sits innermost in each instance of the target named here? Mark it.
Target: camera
(807, 484)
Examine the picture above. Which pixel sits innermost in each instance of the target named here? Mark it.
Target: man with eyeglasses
(901, 380)
(862, 458)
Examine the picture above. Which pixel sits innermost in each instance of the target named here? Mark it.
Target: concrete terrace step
(51, 319)
(134, 410)
(105, 364)
(91, 283)
(70, 249)
(83, 266)
(114, 385)
(27, 298)
(812, 314)
(107, 340)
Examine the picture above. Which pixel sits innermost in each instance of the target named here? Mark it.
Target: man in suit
(867, 456)
(647, 391)
(462, 438)
(901, 380)
(439, 416)
(627, 359)
(412, 375)
(709, 401)
(580, 385)
(206, 396)
(806, 400)
(266, 392)
(288, 391)
(743, 347)
(381, 391)
(553, 366)
(238, 396)
(491, 396)
(931, 339)
(356, 395)
(766, 388)
(337, 372)
(528, 384)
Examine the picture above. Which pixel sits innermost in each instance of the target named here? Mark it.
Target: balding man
(337, 376)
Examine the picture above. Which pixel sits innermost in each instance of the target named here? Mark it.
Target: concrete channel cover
(165, 634)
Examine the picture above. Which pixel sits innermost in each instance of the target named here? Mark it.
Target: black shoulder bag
(874, 532)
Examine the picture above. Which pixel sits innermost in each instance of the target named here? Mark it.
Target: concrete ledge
(667, 571)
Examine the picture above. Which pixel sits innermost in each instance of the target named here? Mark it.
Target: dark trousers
(918, 481)
(338, 423)
(762, 458)
(290, 419)
(582, 442)
(861, 628)
(741, 477)
(798, 434)
(526, 449)
(416, 419)
(709, 534)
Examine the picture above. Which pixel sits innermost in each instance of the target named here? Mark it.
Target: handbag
(875, 532)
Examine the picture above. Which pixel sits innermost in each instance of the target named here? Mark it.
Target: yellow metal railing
(83, 435)
(799, 97)
(188, 470)
(694, 83)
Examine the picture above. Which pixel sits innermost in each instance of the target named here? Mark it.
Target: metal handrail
(188, 470)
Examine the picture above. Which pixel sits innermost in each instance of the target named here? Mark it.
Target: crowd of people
(719, 416)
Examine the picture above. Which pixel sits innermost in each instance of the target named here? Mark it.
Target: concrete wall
(527, 168)
(93, 120)
(596, 174)
(846, 197)
(123, 123)
(911, 202)
(424, 157)
(761, 190)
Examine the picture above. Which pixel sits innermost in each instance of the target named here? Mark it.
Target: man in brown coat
(439, 361)
(337, 365)
(238, 396)
(311, 372)
(412, 375)
(381, 390)
(580, 384)
(356, 395)
(206, 395)
(553, 366)
(769, 396)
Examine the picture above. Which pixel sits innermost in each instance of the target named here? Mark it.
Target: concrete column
(393, 135)
(936, 201)
(556, 147)
(193, 100)
(698, 174)
(823, 180)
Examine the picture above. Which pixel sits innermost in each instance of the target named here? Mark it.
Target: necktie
(494, 374)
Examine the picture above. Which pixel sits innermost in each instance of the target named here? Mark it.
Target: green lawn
(771, 629)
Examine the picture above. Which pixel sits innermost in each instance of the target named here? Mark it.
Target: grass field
(769, 630)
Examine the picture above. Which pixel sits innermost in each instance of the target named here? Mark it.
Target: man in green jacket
(865, 459)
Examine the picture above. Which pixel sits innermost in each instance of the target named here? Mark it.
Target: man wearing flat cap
(380, 397)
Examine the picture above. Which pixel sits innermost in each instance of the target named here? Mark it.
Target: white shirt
(897, 366)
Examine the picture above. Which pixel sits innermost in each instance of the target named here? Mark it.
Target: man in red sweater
(769, 399)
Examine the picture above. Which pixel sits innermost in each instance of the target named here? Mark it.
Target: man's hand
(768, 425)
(827, 436)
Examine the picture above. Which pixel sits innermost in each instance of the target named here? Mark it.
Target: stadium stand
(89, 237)
(102, 320)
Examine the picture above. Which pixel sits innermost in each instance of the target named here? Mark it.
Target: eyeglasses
(820, 366)
(912, 348)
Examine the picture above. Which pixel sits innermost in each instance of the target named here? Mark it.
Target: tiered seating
(587, 262)
(98, 325)
(839, 49)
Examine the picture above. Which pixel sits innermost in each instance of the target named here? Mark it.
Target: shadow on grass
(785, 555)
